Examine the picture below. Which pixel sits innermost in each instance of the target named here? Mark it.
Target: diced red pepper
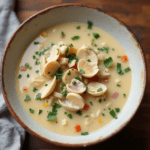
(25, 89)
(77, 128)
(86, 107)
(75, 66)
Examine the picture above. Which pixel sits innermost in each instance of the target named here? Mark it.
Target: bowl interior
(29, 30)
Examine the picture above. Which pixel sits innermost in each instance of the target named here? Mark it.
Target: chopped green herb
(103, 114)
(58, 74)
(31, 110)
(68, 47)
(113, 114)
(90, 24)
(89, 34)
(64, 93)
(84, 133)
(124, 95)
(74, 82)
(79, 112)
(113, 49)
(118, 85)
(106, 49)
(78, 27)
(52, 114)
(127, 70)
(19, 76)
(62, 33)
(92, 42)
(28, 75)
(81, 71)
(58, 52)
(96, 35)
(34, 56)
(37, 62)
(65, 112)
(119, 70)
(35, 89)
(108, 62)
(46, 84)
(118, 56)
(100, 100)
(37, 59)
(95, 45)
(91, 103)
(37, 71)
(51, 44)
(40, 111)
(42, 52)
(27, 98)
(38, 96)
(117, 110)
(75, 37)
(62, 86)
(109, 108)
(70, 116)
(86, 116)
(78, 78)
(69, 73)
(35, 43)
(72, 57)
(89, 60)
(28, 66)
(99, 90)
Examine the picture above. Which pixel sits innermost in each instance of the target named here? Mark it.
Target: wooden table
(136, 15)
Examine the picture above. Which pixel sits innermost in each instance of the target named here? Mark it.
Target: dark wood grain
(136, 15)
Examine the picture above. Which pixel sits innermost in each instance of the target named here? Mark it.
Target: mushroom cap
(54, 54)
(70, 74)
(47, 90)
(78, 87)
(87, 54)
(73, 102)
(50, 68)
(90, 69)
(96, 88)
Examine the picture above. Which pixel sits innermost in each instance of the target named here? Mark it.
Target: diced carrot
(45, 104)
(77, 128)
(43, 33)
(93, 79)
(86, 107)
(100, 120)
(25, 89)
(75, 66)
(124, 58)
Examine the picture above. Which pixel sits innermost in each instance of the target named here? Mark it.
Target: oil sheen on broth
(73, 79)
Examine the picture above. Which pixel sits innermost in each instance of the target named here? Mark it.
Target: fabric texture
(12, 134)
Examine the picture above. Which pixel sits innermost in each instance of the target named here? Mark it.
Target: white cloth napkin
(12, 134)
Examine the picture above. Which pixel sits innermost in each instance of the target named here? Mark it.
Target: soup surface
(73, 79)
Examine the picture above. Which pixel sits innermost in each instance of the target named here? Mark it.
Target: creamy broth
(99, 110)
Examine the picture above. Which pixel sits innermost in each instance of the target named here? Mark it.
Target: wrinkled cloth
(12, 134)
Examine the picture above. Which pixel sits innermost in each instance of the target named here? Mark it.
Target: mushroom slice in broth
(47, 90)
(96, 88)
(73, 102)
(76, 86)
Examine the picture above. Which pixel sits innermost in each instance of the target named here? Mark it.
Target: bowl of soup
(73, 75)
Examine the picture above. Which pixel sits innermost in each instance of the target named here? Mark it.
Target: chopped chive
(37, 62)
(81, 71)
(118, 85)
(90, 24)
(64, 93)
(46, 84)
(27, 98)
(28, 75)
(88, 60)
(99, 90)
(103, 114)
(37, 71)
(31, 110)
(117, 110)
(34, 56)
(69, 73)
(84, 133)
(100, 100)
(38, 96)
(35, 89)
(96, 35)
(78, 78)
(19, 76)
(91, 103)
(78, 27)
(62, 33)
(70, 116)
(40, 111)
(79, 112)
(74, 82)
(62, 86)
(35, 43)
(127, 70)
(28, 66)
(65, 112)
(118, 56)
(124, 95)
(75, 38)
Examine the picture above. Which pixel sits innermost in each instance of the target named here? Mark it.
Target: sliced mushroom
(87, 55)
(73, 102)
(76, 86)
(103, 71)
(58, 95)
(96, 89)
(72, 63)
(49, 88)
(42, 64)
(37, 80)
(70, 74)
(54, 54)
(50, 68)
(90, 70)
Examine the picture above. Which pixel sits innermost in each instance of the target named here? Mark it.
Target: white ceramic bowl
(72, 13)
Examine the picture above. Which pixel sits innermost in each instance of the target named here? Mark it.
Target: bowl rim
(3, 85)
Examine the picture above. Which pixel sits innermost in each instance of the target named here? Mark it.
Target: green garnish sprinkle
(118, 85)
(28, 66)
(81, 71)
(88, 60)
(79, 112)
(127, 70)
(64, 93)
(27, 98)
(75, 37)
(62, 86)
(117, 110)
(40, 111)
(35, 43)
(78, 78)
(119, 70)
(90, 24)
(31, 110)
(108, 62)
(96, 35)
(84, 133)
(99, 90)
(38, 96)
(19, 76)
(35, 89)
(113, 114)
(78, 27)
(28, 75)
